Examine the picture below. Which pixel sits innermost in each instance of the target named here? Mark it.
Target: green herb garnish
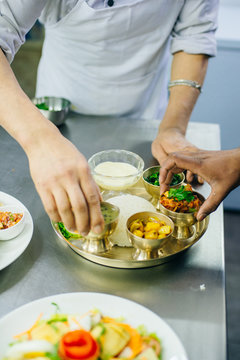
(42, 106)
(11, 217)
(57, 318)
(67, 234)
(180, 194)
(56, 306)
(154, 179)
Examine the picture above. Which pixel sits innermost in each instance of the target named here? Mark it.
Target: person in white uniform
(94, 51)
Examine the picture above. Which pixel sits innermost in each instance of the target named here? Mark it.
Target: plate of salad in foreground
(87, 326)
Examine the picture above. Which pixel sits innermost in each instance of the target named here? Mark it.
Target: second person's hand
(221, 169)
(172, 140)
(63, 180)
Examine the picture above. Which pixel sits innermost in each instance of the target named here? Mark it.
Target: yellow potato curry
(150, 228)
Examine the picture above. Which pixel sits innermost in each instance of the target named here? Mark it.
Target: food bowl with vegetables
(148, 232)
(94, 243)
(53, 108)
(181, 205)
(116, 169)
(151, 182)
(12, 220)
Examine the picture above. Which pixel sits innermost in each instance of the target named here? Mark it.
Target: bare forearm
(18, 115)
(183, 98)
(59, 171)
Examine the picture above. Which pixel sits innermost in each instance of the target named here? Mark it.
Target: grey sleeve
(194, 30)
(16, 19)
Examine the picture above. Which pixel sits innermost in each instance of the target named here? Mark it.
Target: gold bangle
(191, 83)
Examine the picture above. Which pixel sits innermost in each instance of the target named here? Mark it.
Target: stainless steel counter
(188, 293)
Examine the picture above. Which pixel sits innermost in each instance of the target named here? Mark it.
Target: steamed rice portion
(128, 205)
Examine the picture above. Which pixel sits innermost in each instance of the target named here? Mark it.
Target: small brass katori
(154, 190)
(183, 221)
(147, 249)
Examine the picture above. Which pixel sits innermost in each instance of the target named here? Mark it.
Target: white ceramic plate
(134, 314)
(10, 250)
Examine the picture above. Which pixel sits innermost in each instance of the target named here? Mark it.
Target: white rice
(128, 205)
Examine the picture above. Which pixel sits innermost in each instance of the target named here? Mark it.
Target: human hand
(172, 140)
(63, 180)
(221, 169)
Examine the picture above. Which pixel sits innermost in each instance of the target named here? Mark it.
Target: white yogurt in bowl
(116, 169)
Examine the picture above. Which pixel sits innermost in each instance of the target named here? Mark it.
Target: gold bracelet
(191, 83)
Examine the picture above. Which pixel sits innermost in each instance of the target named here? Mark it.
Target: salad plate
(130, 312)
(10, 250)
(124, 257)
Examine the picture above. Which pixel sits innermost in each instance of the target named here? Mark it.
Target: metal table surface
(188, 293)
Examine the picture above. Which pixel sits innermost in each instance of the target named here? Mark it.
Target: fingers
(76, 205)
(93, 197)
(189, 176)
(158, 152)
(210, 204)
(167, 170)
(79, 209)
(200, 180)
(50, 205)
(64, 207)
(168, 166)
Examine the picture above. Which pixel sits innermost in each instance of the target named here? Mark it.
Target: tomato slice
(78, 344)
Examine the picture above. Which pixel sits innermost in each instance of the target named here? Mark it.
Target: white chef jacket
(193, 31)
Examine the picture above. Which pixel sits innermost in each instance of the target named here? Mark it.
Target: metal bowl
(148, 248)
(154, 190)
(182, 221)
(112, 182)
(53, 108)
(97, 243)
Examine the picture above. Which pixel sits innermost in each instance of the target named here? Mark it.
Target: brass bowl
(182, 221)
(148, 248)
(100, 243)
(154, 190)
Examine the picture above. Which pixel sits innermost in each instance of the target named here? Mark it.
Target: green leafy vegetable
(53, 355)
(42, 106)
(181, 194)
(154, 179)
(67, 234)
(176, 179)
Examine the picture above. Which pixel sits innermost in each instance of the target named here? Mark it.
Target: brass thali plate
(122, 257)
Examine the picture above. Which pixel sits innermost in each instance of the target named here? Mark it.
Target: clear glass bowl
(111, 181)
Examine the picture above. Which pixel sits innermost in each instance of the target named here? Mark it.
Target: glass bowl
(148, 248)
(113, 181)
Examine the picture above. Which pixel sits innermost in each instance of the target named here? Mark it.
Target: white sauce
(120, 170)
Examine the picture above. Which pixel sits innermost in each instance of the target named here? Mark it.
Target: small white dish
(14, 230)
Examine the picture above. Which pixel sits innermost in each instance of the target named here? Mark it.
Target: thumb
(210, 204)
